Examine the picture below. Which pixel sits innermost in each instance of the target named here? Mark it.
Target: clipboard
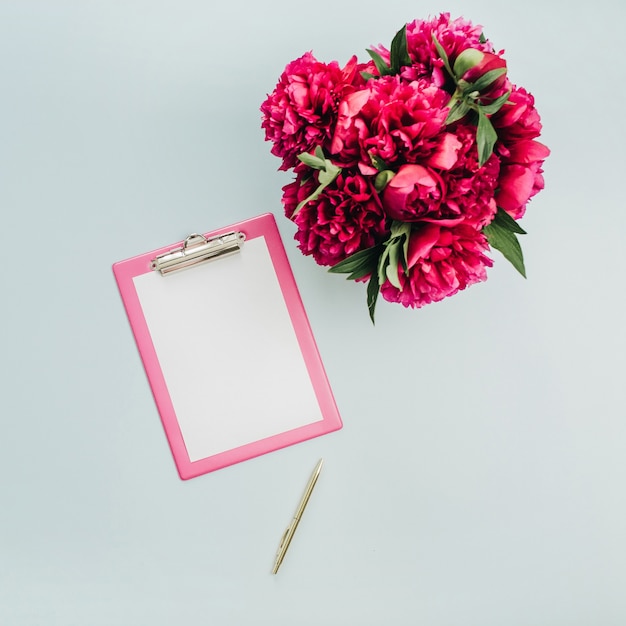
(226, 345)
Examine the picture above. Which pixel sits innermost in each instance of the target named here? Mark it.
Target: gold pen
(291, 529)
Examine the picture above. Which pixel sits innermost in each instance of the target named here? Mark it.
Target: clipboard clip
(197, 249)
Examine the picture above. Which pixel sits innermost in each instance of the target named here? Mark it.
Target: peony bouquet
(408, 168)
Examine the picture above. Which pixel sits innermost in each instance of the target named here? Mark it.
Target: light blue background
(479, 477)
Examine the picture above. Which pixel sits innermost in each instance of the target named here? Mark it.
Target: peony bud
(471, 65)
(414, 192)
(466, 60)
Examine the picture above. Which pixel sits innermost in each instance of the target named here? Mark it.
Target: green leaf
(458, 111)
(314, 196)
(405, 251)
(399, 228)
(379, 62)
(328, 171)
(485, 80)
(382, 179)
(486, 138)
(395, 252)
(382, 264)
(392, 267)
(377, 162)
(362, 272)
(402, 233)
(367, 75)
(399, 55)
(443, 56)
(482, 38)
(504, 220)
(506, 242)
(373, 287)
(362, 261)
(496, 105)
(312, 161)
(464, 89)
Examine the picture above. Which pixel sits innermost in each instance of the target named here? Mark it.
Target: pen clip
(284, 537)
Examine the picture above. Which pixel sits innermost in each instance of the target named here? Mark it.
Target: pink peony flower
(299, 114)
(442, 260)
(518, 184)
(413, 193)
(480, 63)
(453, 35)
(470, 189)
(522, 157)
(460, 189)
(345, 218)
(392, 120)
(382, 159)
(518, 118)
(350, 132)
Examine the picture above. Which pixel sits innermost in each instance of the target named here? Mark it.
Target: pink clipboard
(227, 347)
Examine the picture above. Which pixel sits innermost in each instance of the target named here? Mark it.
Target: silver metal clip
(197, 249)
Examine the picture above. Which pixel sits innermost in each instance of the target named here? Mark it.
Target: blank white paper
(228, 351)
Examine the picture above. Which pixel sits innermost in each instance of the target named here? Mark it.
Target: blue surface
(479, 476)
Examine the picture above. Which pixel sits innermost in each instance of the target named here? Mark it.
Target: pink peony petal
(410, 175)
(421, 243)
(401, 186)
(446, 154)
(352, 104)
(348, 108)
(516, 187)
(527, 151)
(444, 222)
